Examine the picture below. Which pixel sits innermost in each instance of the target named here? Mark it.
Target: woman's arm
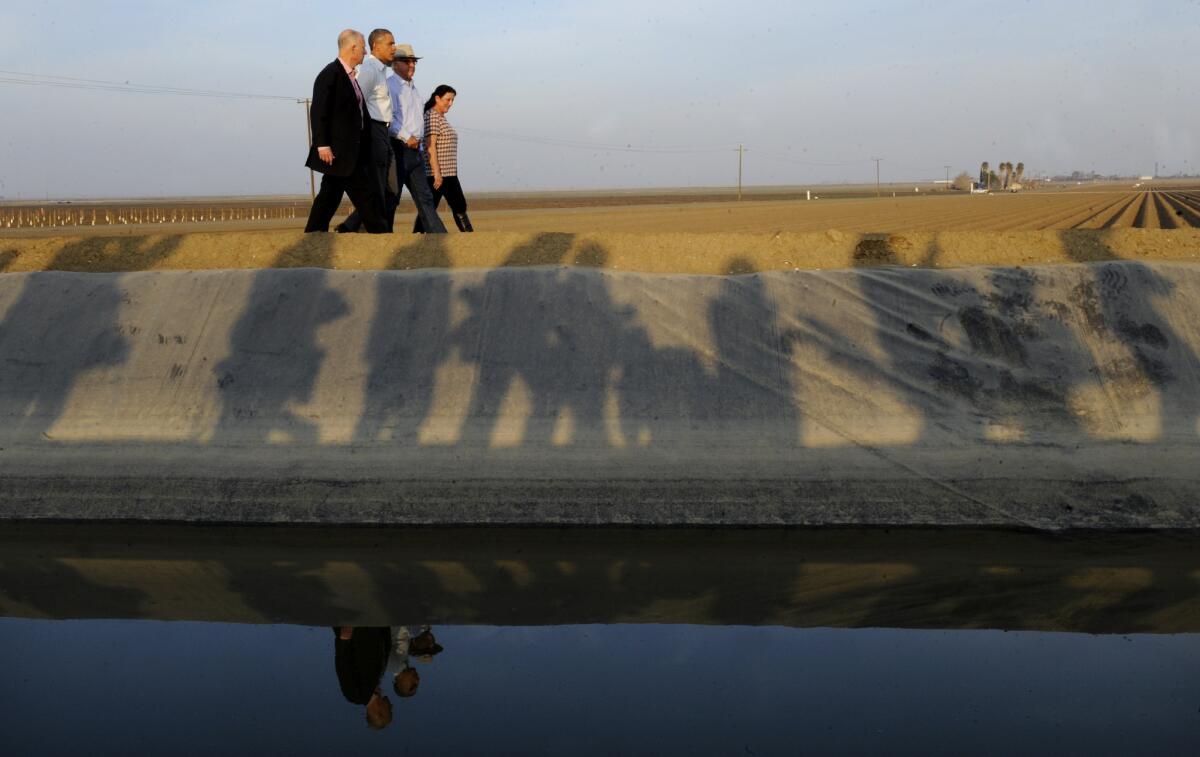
(431, 151)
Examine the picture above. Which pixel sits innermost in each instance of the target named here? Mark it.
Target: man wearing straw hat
(408, 129)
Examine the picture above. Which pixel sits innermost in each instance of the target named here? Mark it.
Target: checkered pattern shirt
(447, 143)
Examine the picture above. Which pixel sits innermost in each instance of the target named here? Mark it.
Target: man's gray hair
(374, 37)
(347, 38)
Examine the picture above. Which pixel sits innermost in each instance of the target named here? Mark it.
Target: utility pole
(947, 174)
(312, 178)
(877, 175)
(741, 150)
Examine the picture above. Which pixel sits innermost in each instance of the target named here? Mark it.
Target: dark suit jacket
(360, 661)
(337, 121)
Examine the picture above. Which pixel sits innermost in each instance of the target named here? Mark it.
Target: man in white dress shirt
(407, 130)
(372, 75)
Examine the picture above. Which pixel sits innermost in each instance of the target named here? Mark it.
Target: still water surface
(181, 640)
(184, 687)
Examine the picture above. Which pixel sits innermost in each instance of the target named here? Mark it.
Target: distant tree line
(1093, 176)
(1006, 178)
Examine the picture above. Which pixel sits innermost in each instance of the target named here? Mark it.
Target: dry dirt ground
(700, 253)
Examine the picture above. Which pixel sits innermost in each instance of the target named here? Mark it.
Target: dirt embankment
(650, 253)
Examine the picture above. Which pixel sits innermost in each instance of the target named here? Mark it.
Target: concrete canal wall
(1047, 397)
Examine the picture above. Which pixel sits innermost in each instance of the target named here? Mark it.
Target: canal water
(316, 641)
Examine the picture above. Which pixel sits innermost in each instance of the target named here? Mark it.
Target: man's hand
(412, 142)
(437, 182)
(325, 154)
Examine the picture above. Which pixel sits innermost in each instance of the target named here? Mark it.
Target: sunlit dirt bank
(1042, 379)
(712, 253)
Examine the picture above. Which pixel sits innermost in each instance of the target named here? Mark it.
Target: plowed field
(1033, 211)
(1164, 206)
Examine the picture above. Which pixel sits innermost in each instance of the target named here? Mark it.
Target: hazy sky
(812, 90)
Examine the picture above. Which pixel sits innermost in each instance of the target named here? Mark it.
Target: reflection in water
(613, 689)
(359, 656)
(407, 646)
(618, 641)
(1098, 583)
(363, 655)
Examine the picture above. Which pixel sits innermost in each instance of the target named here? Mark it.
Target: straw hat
(405, 52)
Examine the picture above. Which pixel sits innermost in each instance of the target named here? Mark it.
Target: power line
(815, 163)
(67, 82)
(22, 78)
(598, 147)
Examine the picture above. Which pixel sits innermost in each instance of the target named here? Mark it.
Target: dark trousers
(410, 170)
(451, 189)
(378, 166)
(359, 186)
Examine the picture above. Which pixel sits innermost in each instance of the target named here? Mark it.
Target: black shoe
(463, 222)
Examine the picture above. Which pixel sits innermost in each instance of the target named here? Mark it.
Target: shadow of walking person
(62, 325)
(548, 344)
(1152, 363)
(274, 358)
(753, 377)
(591, 338)
(547, 248)
(962, 353)
(409, 339)
(511, 336)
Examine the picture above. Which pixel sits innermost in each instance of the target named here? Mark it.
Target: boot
(463, 223)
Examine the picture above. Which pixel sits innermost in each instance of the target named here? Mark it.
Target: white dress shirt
(412, 112)
(372, 79)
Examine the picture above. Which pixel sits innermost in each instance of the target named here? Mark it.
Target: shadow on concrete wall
(409, 339)
(985, 351)
(547, 339)
(73, 317)
(1156, 357)
(274, 357)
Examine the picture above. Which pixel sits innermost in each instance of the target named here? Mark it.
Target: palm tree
(1020, 172)
(983, 175)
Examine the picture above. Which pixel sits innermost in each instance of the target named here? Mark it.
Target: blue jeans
(410, 172)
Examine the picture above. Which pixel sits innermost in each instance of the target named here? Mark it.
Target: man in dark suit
(340, 148)
(360, 656)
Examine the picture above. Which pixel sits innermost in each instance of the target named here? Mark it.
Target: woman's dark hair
(441, 90)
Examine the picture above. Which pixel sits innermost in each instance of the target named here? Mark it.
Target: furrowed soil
(899, 210)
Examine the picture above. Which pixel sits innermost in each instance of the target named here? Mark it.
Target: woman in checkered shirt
(441, 158)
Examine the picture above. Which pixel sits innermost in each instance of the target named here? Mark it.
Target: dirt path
(712, 253)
